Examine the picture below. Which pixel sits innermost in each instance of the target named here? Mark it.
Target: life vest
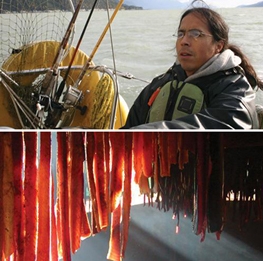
(174, 100)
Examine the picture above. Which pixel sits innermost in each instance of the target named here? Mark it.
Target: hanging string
(113, 58)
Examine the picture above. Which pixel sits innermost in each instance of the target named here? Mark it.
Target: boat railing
(8, 75)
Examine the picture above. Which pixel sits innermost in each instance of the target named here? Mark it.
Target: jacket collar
(220, 62)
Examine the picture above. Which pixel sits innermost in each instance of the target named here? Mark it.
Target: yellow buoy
(98, 90)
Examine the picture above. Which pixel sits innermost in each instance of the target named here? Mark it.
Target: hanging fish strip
(43, 213)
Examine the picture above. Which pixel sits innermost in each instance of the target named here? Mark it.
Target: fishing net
(42, 79)
(28, 29)
(25, 22)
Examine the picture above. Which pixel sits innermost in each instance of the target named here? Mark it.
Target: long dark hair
(220, 30)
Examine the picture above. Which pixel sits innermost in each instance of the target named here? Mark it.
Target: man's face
(193, 52)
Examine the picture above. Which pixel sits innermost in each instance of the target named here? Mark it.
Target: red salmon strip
(30, 187)
(137, 155)
(147, 154)
(76, 186)
(44, 197)
(1, 199)
(63, 200)
(117, 148)
(19, 224)
(90, 151)
(32, 229)
(114, 252)
(164, 156)
(127, 195)
(8, 195)
(101, 180)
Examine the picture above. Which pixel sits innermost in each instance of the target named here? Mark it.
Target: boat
(45, 81)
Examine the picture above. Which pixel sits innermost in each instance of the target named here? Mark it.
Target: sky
(228, 3)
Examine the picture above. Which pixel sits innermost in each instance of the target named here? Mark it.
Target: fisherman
(210, 86)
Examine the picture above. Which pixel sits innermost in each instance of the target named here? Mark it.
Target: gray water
(142, 41)
(144, 46)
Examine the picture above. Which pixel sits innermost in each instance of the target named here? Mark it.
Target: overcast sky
(228, 3)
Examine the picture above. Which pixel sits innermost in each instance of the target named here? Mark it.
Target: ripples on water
(144, 46)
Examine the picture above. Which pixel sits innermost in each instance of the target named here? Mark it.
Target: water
(144, 45)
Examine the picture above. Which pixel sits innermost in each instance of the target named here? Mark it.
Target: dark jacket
(229, 99)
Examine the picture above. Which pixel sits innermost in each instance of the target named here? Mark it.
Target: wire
(31, 117)
(115, 103)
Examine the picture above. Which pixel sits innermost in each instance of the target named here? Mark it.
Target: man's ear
(220, 45)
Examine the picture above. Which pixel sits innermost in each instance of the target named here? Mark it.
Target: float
(45, 81)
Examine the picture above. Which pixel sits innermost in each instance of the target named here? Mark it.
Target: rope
(101, 110)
